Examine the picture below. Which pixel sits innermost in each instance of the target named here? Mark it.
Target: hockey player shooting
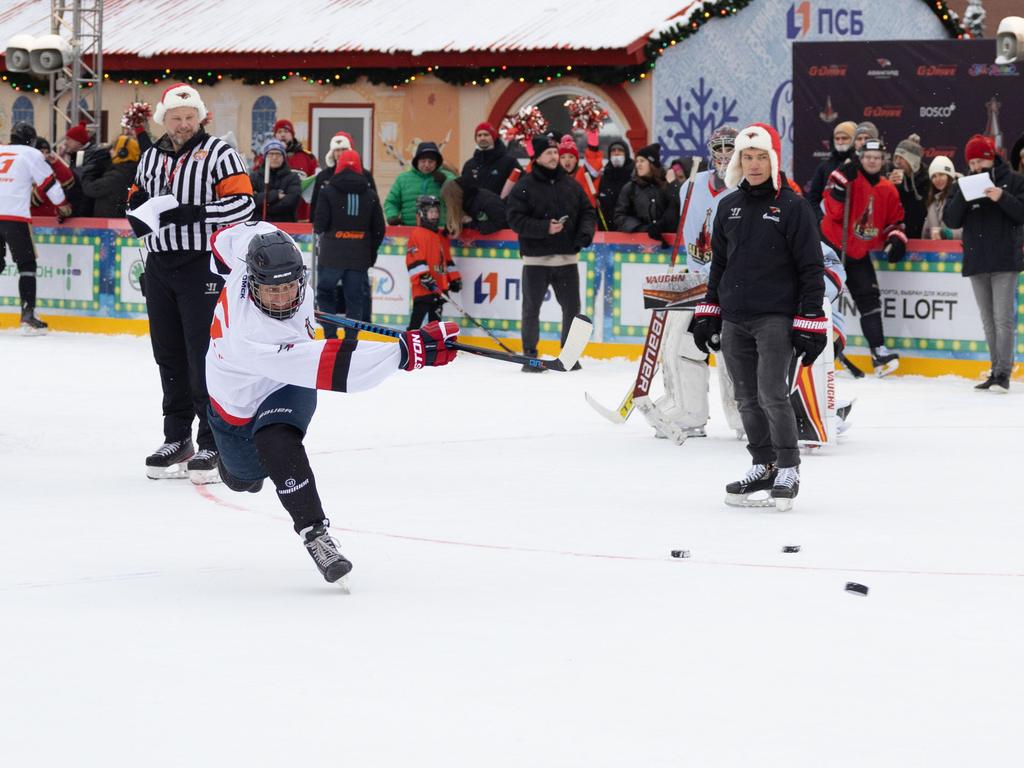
(263, 368)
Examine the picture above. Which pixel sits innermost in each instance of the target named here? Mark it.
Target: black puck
(856, 589)
(680, 553)
(791, 548)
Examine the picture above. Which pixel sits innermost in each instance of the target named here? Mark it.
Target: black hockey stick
(576, 341)
(857, 372)
(476, 322)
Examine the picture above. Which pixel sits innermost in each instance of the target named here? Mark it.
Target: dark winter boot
(1001, 384)
(324, 551)
(168, 461)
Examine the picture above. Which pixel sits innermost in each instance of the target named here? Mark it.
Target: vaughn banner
(945, 91)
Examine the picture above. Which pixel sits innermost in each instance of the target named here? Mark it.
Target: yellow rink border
(912, 366)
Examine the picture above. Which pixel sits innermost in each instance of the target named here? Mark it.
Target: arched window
(264, 115)
(23, 110)
(551, 103)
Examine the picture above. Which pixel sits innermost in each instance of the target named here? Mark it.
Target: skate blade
(888, 368)
(173, 472)
(28, 330)
(749, 500)
(204, 476)
(342, 584)
(784, 505)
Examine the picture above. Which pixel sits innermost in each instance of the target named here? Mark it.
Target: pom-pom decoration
(523, 125)
(585, 114)
(136, 115)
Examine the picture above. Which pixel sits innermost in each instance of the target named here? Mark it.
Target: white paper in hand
(148, 214)
(974, 186)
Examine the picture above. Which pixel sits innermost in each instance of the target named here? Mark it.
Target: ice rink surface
(513, 601)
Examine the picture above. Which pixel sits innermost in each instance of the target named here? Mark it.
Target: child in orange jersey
(428, 258)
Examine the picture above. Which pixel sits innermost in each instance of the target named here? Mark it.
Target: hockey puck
(856, 589)
(680, 553)
(791, 548)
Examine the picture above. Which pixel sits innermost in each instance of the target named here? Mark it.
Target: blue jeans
(759, 355)
(335, 286)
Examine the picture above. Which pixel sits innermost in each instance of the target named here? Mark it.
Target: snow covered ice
(514, 600)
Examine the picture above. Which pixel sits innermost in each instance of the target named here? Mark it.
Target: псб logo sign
(938, 111)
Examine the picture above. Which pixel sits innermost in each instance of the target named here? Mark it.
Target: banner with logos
(945, 91)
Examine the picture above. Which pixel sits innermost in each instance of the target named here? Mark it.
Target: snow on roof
(153, 27)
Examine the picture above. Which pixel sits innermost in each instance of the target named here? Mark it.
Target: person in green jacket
(424, 178)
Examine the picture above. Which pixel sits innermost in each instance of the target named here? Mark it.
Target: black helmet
(274, 259)
(23, 133)
(423, 204)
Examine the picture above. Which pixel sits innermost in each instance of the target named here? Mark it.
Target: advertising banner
(67, 274)
(945, 91)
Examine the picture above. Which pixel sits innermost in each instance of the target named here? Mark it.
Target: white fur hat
(180, 95)
(339, 143)
(756, 136)
(942, 164)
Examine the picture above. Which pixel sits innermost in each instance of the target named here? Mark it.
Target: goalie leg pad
(728, 393)
(686, 374)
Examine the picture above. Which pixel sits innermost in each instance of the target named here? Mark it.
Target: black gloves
(581, 242)
(707, 328)
(395, 221)
(138, 197)
(895, 249)
(455, 285)
(810, 334)
(654, 232)
(182, 216)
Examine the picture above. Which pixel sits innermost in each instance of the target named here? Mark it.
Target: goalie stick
(575, 342)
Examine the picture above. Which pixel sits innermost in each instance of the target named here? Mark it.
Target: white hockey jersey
(253, 355)
(20, 168)
(700, 217)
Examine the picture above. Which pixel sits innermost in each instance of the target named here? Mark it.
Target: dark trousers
(759, 355)
(425, 308)
(342, 291)
(180, 301)
(565, 281)
(862, 282)
(17, 235)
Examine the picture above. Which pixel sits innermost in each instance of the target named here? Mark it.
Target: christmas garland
(665, 37)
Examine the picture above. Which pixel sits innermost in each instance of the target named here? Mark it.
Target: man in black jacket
(842, 150)
(993, 237)
(491, 164)
(550, 212)
(767, 284)
(278, 199)
(617, 172)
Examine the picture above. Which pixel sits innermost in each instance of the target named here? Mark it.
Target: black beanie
(651, 153)
(541, 143)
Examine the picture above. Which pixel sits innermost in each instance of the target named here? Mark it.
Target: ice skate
(787, 486)
(32, 325)
(168, 461)
(883, 361)
(754, 489)
(202, 468)
(324, 550)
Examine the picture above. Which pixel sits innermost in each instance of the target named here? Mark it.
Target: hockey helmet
(23, 133)
(273, 260)
(720, 148)
(872, 145)
(424, 203)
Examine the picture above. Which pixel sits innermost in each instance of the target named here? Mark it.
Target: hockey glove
(809, 336)
(895, 249)
(581, 242)
(707, 328)
(428, 346)
(138, 197)
(654, 232)
(455, 285)
(395, 221)
(841, 178)
(427, 281)
(183, 215)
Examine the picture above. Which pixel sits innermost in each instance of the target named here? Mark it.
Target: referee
(208, 179)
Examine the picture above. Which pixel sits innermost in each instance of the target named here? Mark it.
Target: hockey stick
(857, 372)
(476, 322)
(575, 342)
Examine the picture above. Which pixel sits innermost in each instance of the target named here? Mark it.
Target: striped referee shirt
(205, 171)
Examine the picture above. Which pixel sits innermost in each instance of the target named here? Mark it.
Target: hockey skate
(787, 485)
(324, 550)
(202, 468)
(32, 325)
(168, 461)
(883, 361)
(754, 489)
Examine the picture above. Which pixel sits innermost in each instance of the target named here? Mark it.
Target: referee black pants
(180, 297)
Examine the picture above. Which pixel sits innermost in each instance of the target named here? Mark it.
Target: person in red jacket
(42, 205)
(875, 221)
(428, 258)
(587, 173)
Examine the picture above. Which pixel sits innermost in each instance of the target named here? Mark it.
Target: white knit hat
(180, 95)
(339, 143)
(756, 136)
(942, 164)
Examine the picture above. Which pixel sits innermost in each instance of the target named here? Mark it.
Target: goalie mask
(424, 205)
(276, 275)
(721, 145)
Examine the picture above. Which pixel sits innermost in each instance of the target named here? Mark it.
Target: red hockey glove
(428, 345)
(707, 328)
(810, 334)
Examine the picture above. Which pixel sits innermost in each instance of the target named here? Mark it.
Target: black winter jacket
(914, 199)
(283, 209)
(612, 181)
(486, 209)
(766, 255)
(110, 191)
(490, 167)
(350, 222)
(540, 196)
(993, 233)
(325, 176)
(641, 203)
(816, 189)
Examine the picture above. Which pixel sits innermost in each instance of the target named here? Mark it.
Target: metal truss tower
(81, 23)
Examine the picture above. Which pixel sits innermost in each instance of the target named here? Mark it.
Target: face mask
(618, 160)
(843, 147)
